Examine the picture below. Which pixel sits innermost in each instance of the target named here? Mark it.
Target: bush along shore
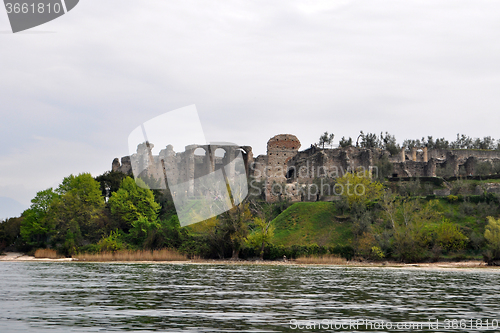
(110, 218)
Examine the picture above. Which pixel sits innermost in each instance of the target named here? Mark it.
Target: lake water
(99, 297)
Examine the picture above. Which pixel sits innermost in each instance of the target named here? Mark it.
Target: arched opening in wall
(219, 152)
(290, 173)
(200, 152)
(201, 162)
(219, 157)
(244, 154)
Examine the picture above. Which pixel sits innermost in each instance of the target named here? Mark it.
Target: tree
(326, 139)
(440, 143)
(141, 228)
(344, 143)
(110, 182)
(389, 143)
(262, 228)
(35, 229)
(214, 237)
(131, 203)
(9, 233)
(358, 187)
(234, 225)
(262, 234)
(409, 144)
(369, 140)
(462, 142)
(449, 237)
(85, 187)
(168, 234)
(408, 219)
(75, 212)
(383, 168)
(492, 235)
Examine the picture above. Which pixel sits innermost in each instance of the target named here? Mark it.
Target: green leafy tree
(35, 228)
(131, 203)
(369, 140)
(168, 233)
(112, 243)
(75, 213)
(440, 143)
(263, 234)
(325, 138)
(409, 144)
(492, 236)
(449, 237)
(383, 168)
(344, 143)
(389, 143)
(358, 187)
(110, 181)
(142, 228)
(9, 233)
(233, 225)
(262, 229)
(408, 219)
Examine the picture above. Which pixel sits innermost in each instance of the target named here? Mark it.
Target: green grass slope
(305, 223)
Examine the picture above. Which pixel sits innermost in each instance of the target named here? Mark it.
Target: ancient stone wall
(290, 170)
(280, 149)
(184, 166)
(259, 167)
(331, 163)
(464, 154)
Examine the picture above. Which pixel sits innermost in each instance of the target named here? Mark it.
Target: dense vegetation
(111, 213)
(388, 142)
(401, 220)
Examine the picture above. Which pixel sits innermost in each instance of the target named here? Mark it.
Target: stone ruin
(421, 162)
(285, 172)
(195, 162)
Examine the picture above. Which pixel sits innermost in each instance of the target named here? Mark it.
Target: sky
(72, 90)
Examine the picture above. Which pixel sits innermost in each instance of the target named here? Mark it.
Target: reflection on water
(87, 297)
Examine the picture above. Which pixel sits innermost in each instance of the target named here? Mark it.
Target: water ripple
(88, 297)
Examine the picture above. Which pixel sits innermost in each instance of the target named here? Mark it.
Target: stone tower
(280, 149)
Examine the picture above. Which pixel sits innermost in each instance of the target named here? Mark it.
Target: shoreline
(445, 265)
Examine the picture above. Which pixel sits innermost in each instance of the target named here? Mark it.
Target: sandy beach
(17, 256)
(470, 264)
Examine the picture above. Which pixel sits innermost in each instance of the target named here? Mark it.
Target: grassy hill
(306, 223)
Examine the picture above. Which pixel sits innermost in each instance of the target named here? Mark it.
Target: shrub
(346, 251)
(492, 235)
(467, 208)
(376, 253)
(449, 237)
(112, 243)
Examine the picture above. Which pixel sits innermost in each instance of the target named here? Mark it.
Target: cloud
(253, 69)
(10, 208)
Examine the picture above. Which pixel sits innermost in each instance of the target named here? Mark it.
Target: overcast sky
(72, 90)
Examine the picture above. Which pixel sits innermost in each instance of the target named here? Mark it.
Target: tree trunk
(236, 253)
(262, 251)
